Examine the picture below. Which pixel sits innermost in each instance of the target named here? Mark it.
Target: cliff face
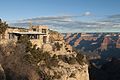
(37, 64)
(69, 66)
(54, 67)
(66, 70)
(107, 71)
(74, 72)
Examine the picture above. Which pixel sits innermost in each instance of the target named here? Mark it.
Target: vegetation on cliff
(24, 61)
(3, 27)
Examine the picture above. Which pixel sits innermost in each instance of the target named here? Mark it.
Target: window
(11, 36)
(43, 30)
(35, 36)
(34, 29)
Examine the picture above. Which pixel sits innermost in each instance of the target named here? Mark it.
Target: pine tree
(3, 27)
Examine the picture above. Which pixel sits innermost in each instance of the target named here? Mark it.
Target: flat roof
(27, 33)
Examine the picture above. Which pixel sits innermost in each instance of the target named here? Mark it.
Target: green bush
(58, 46)
(25, 41)
(72, 60)
(64, 58)
(79, 58)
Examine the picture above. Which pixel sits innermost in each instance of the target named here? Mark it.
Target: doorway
(44, 39)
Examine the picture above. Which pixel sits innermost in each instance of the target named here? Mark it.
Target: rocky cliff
(70, 64)
(65, 67)
(26, 62)
(55, 36)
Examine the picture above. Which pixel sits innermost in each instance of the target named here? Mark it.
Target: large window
(11, 36)
(34, 36)
(35, 29)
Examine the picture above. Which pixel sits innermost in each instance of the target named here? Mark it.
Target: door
(44, 39)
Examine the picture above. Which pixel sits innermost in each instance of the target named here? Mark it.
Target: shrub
(58, 46)
(63, 58)
(72, 60)
(72, 75)
(79, 58)
(25, 41)
(54, 61)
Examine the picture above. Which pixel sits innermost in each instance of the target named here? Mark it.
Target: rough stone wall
(10, 30)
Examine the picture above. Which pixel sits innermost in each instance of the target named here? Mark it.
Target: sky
(64, 15)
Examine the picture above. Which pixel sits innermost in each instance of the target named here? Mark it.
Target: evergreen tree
(3, 27)
(25, 40)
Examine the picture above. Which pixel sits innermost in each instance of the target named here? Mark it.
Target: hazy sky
(78, 11)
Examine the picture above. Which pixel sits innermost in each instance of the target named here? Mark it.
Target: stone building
(38, 34)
